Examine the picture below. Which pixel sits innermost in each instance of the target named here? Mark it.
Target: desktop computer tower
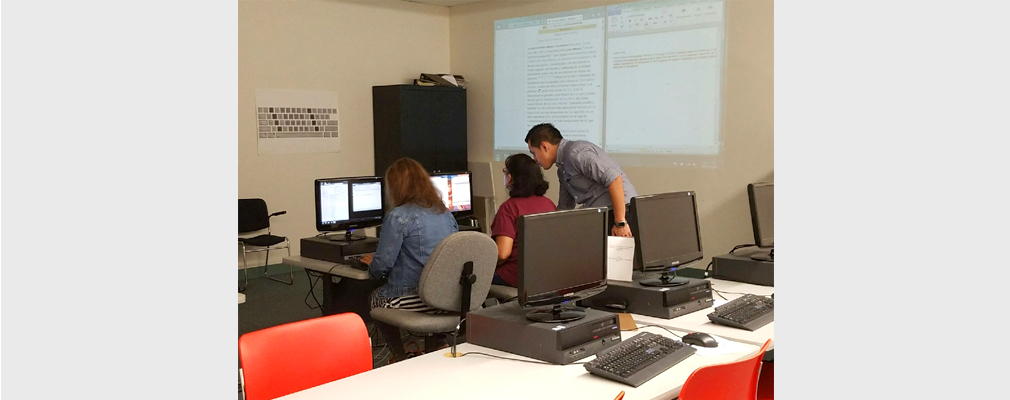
(740, 267)
(505, 327)
(660, 302)
(321, 248)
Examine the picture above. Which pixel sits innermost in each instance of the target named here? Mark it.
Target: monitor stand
(764, 257)
(556, 314)
(669, 279)
(348, 236)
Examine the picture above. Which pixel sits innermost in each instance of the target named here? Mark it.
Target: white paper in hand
(620, 257)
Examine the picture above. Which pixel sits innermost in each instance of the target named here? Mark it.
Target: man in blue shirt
(587, 174)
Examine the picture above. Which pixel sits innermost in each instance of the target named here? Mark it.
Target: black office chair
(252, 217)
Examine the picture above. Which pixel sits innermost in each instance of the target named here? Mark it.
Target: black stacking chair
(253, 217)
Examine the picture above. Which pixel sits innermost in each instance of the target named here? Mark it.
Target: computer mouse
(699, 339)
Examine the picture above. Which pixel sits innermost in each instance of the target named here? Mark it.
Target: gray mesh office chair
(253, 217)
(442, 286)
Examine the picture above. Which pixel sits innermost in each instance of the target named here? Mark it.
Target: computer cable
(312, 293)
(660, 327)
(312, 286)
(740, 246)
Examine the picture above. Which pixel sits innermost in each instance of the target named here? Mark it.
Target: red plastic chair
(737, 380)
(766, 384)
(288, 358)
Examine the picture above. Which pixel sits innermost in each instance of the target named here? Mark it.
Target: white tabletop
(327, 267)
(698, 321)
(435, 375)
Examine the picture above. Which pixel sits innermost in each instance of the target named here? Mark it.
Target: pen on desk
(619, 396)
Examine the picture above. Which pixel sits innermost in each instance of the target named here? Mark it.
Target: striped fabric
(407, 303)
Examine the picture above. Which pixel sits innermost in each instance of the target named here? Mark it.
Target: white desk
(698, 321)
(326, 267)
(434, 375)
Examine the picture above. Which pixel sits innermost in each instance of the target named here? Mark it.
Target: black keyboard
(749, 312)
(355, 261)
(636, 360)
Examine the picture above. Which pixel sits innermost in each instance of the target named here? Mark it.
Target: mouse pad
(626, 322)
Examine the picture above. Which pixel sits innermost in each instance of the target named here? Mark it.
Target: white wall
(748, 110)
(341, 46)
(350, 46)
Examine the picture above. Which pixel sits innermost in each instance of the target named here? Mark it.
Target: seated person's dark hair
(543, 132)
(527, 180)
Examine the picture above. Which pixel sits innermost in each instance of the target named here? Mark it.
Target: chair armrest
(277, 213)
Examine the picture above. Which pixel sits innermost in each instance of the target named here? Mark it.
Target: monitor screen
(455, 190)
(665, 227)
(562, 256)
(762, 212)
(348, 203)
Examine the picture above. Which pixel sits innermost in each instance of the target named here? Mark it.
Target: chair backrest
(288, 358)
(730, 381)
(439, 286)
(252, 215)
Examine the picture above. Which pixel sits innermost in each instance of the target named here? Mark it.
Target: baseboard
(274, 269)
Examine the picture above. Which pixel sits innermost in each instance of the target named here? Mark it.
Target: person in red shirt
(526, 186)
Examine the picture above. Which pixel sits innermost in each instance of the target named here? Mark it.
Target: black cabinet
(426, 123)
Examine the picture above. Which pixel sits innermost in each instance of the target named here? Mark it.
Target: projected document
(549, 69)
(643, 81)
(333, 202)
(367, 196)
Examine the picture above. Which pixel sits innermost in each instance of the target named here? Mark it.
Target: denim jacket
(409, 234)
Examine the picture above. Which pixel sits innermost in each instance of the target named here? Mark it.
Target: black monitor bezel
(667, 264)
(564, 295)
(463, 213)
(351, 224)
(759, 240)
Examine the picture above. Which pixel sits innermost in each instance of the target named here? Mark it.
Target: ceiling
(444, 3)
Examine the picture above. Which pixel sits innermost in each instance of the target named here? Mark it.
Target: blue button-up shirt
(585, 171)
(409, 234)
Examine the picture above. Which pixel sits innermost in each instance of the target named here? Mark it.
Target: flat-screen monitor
(562, 259)
(455, 190)
(667, 235)
(762, 216)
(346, 204)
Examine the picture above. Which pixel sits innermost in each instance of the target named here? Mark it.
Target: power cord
(660, 327)
(312, 285)
(740, 246)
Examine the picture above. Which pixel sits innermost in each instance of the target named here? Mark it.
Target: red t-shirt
(506, 223)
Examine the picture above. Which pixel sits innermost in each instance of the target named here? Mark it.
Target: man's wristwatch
(621, 224)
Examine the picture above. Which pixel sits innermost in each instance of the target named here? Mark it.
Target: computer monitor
(456, 191)
(346, 204)
(667, 235)
(562, 259)
(762, 217)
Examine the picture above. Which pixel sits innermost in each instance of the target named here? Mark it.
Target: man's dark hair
(544, 132)
(527, 180)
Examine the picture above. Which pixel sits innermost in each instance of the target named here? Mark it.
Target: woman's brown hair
(407, 182)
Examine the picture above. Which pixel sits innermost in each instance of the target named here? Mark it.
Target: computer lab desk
(436, 376)
(345, 289)
(698, 321)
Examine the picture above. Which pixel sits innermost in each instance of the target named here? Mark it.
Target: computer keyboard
(749, 312)
(355, 261)
(636, 360)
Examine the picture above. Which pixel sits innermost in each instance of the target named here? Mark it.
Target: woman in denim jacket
(416, 222)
